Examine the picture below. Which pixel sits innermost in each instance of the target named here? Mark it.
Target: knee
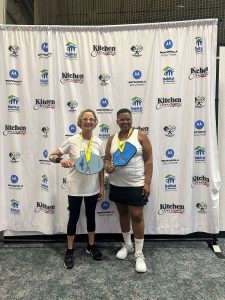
(137, 217)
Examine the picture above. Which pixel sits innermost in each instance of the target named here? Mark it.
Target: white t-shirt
(80, 184)
(131, 175)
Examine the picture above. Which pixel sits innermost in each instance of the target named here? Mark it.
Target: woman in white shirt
(130, 183)
(81, 186)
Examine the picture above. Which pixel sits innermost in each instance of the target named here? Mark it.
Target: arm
(101, 182)
(148, 163)
(109, 168)
(55, 157)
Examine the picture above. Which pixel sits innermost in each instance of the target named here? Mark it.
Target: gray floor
(176, 270)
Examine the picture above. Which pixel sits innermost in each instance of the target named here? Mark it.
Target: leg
(74, 212)
(124, 217)
(125, 227)
(90, 206)
(137, 220)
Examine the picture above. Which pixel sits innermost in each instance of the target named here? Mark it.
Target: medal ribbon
(87, 150)
(122, 146)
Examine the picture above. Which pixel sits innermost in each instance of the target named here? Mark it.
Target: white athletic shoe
(123, 252)
(140, 264)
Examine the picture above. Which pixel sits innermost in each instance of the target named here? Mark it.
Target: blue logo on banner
(105, 205)
(168, 44)
(169, 153)
(104, 102)
(44, 47)
(199, 124)
(14, 179)
(72, 128)
(13, 73)
(45, 153)
(137, 74)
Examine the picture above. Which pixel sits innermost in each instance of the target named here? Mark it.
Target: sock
(138, 246)
(127, 238)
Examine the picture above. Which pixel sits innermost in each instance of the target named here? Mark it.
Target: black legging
(74, 209)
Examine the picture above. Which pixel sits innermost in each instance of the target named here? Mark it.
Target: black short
(127, 195)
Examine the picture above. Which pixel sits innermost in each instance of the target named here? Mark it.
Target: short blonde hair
(82, 113)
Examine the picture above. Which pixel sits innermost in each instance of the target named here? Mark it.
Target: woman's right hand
(66, 163)
(109, 168)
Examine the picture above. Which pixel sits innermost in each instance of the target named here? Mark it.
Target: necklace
(121, 144)
(87, 150)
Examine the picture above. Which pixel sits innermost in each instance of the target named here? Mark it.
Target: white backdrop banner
(165, 73)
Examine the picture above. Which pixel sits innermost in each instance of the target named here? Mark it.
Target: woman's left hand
(101, 193)
(146, 191)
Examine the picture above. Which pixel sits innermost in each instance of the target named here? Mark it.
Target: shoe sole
(141, 272)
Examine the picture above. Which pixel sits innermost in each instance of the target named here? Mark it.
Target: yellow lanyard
(87, 150)
(122, 146)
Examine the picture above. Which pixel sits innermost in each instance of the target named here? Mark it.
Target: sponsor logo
(72, 105)
(71, 130)
(44, 51)
(103, 50)
(199, 128)
(15, 207)
(44, 183)
(168, 102)
(202, 207)
(170, 183)
(145, 129)
(168, 77)
(72, 78)
(104, 102)
(44, 77)
(199, 101)
(198, 45)
(198, 72)
(199, 154)
(169, 130)
(13, 103)
(168, 45)
(171, 209)
(14, 183)
(44, 159)
(170, 158)
(44, 104)
(13, 49)
(136, 50)
(137, 74)
(14, 129)
(105, 209)
(104, 131)
(104, 78)
(13, 74)
(105, 205)
(71, 51)
(200, 180)
(14, 157)
(47, 209)
(136, 105)
(45, 131)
